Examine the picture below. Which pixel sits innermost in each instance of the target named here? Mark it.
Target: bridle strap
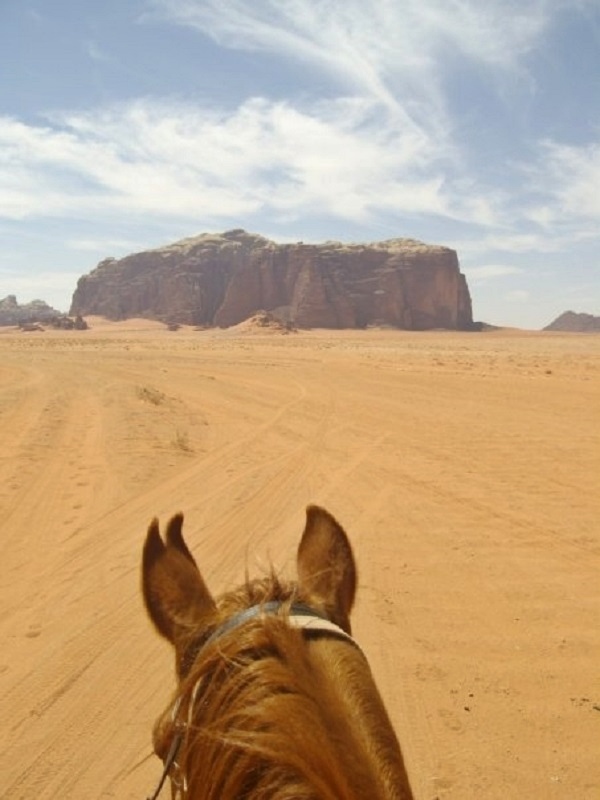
(169, 761)
(315, 623)
(262, 610)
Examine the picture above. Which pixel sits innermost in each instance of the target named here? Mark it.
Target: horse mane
(259, 721)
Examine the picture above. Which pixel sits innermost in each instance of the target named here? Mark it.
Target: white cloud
(339, 158)
(382, 36)
(394, 58)
(505, 241)
(570, 176)
(395, 53)
(517, 237)
(488, 272)
(562, 204)
(104, 245)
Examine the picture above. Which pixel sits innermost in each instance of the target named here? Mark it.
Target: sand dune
(463, 466)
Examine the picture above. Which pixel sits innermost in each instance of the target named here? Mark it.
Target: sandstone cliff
(222, 279)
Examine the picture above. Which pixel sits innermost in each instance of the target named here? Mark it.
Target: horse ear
(174, 537)
(326, 567)
(176, 597)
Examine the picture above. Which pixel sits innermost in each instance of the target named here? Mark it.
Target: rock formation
(222, 279)
(262, 322)
(571, 322)
(11, 313)
(31, 316)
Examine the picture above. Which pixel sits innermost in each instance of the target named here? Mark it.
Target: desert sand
(464, 467)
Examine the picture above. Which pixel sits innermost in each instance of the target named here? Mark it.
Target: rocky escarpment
(572, 322)
(222, 279)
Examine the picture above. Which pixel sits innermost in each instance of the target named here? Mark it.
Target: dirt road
(465, 468)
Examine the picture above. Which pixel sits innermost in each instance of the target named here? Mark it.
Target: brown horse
(274, 698)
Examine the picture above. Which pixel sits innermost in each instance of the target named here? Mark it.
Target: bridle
(171, 758)
(297, 615)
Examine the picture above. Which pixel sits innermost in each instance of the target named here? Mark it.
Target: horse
(274, 698)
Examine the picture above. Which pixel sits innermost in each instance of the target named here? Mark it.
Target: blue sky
(128, 124)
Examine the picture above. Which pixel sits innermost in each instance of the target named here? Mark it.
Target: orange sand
(465, 468)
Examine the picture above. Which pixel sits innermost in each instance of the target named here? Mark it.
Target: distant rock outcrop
(11, 313)
(223, 279)
(572, 322)
(31, 316)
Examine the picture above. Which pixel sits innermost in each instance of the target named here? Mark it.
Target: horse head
(274, 698)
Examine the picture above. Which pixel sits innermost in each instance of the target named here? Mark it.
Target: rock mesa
(222, 279)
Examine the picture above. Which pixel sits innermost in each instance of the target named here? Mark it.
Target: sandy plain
(465, 468)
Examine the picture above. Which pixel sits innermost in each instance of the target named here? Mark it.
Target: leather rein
(298, 615)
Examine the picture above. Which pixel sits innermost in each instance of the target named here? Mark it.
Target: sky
(129, 124)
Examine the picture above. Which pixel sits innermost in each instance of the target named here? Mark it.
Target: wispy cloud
(497, 31)
(371, 45)
(568, 177)
(143, 158)
(105, 245)
(395, 59)
(488, 272)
